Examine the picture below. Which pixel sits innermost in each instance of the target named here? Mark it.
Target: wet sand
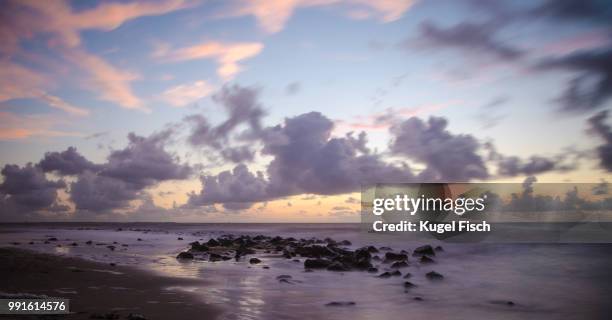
(97, 290)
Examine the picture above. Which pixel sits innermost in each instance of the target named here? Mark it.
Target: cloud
(61, 26)
(145, 161)
(599, 128)
(27, 188)
(97, 193)
(67, 162)
(111, 83)
(236, 189)
(448, 157)
(18, 82)
(293, 88)
(14, 126)
(306, 159)
(185, 94)
(514, 166)
(242, 108)
(272, 16)
(227, 55)
(65, 24)
(470, 37)
(591, 88)
(587, 11)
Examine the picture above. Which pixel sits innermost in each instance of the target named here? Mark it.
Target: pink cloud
(227, 55)
(15, 127)
(272, 16)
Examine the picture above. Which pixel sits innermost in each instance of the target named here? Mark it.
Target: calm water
(552, 281)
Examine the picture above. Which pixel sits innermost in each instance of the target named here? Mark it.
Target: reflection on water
(543, 281)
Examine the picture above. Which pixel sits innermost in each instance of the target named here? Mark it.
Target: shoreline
(97, 289)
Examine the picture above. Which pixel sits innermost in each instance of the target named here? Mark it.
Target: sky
(280, 111)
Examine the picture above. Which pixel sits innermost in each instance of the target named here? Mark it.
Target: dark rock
(316, 263)
(254, 261)
(340, 303)
(139, 239)
(439, 249)
(337, 266)
(372, 249)
(284, 276)
(89, 242)
(391, 256)
(185, 256)
(432, 275)
(197, 246)
(112, 264)
(426, 259)
(74, 244)
(399, 264)
(52, 239)
(385, 248)
(179, 238)
(417, 299)
(266, 267)
(345, 243)
(423, 250)
(409, 284)
(111, 248)
(213, 243)
(407, 275)
(372, 270)
(396, 273)
(385, 275)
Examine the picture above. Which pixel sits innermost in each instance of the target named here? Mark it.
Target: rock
(391, 256)
(89, 242)
(266, 267)
(254, 261)
(504, 302)
(407, 275)
(213, 243)
(340, 303)
(139, 239)
(111, 248)
(423, 250)
(179, 238)
(432, 275)
(112, 264)
(316, 263)
(417, 299)
(185, 256)
(136, 316)
(426, 260)
(439, 249)
(283, 276)
(376, 258)
(197, 246)
(399, 264)
(372, 270)
(285, 281)
(74, 244)
(52, 239)
(385, 248)
(409, 284)
(372, 249)
(345, 243)
(385, 275)
(396, 273)
(337, 266)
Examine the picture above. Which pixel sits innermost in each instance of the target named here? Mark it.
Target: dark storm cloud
(591, 88)
(145, 161)
(514, 166)
(27, 188)
(96, 193)
(236, 188)
(306, 159)
(476, 38)
(586, 11)
(600, 128)
(67, 162)
(448, 157)
(242, 108)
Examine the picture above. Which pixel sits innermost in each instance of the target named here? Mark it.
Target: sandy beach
(96, 290)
